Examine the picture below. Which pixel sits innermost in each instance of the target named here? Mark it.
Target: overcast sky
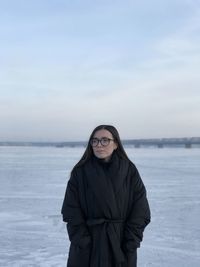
(67, 66)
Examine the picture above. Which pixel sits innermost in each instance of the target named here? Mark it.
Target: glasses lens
(94, 142)
(105, 141)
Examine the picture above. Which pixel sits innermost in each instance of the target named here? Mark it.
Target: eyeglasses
(103, 141)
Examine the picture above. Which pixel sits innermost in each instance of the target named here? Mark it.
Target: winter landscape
(33, 182)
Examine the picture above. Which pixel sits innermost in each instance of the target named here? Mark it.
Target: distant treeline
(159, 142)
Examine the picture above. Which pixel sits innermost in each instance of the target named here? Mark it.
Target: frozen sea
(32, 186)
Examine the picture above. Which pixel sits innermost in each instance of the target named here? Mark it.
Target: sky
(68, 66)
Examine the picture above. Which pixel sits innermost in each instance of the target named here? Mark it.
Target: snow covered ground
(32, 187)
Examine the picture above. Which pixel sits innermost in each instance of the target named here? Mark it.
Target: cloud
(134, 64)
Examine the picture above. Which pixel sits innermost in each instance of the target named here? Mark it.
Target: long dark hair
(89, 152)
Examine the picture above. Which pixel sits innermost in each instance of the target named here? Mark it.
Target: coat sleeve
(73, 215)
(139, 214)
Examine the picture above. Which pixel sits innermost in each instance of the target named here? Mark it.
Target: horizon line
(124, 139)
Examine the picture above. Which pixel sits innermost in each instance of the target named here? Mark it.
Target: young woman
(105, 205)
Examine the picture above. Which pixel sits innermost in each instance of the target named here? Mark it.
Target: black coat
(106, 211)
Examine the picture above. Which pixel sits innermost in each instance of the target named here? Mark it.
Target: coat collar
(106, 180)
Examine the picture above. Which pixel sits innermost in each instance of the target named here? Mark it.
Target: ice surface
(32, 186)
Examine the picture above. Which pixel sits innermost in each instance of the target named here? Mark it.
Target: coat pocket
(79, 257)
(132, 258)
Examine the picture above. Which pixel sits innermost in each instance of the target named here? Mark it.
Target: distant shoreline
(158, 142)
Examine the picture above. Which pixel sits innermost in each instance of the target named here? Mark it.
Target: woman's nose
(99, 144)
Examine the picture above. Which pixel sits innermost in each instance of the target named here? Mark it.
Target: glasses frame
(100, 141)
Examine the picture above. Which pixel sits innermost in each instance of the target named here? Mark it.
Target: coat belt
(113, 236)
(91, 222)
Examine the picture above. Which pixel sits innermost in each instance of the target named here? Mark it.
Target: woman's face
(105, 148)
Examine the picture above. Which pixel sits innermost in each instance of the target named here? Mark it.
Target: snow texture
(33, 182)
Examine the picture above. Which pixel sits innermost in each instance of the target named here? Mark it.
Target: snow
(33, 182)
